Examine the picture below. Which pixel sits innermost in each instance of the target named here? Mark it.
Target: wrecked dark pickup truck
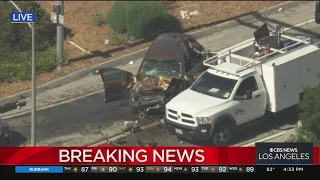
(171, 64)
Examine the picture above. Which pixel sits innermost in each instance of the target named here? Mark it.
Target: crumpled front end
(151, 93)
(153, 103)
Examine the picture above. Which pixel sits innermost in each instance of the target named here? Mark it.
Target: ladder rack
(230, 53)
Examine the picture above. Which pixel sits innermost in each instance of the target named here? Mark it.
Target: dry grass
(78, 19)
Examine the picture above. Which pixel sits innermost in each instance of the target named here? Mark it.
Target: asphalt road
(90, 117)
(87, 116)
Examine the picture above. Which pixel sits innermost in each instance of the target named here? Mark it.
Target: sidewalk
(284, 137)
(93, 84)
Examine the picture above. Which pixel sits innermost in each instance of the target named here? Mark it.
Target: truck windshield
(214, 86)
(170, 68)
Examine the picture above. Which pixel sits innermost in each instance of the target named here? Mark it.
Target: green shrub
(97, 19)
(117, 39)
(15, 40)
(141, 19)
(18, 36)
(303, 135)
(19, 68)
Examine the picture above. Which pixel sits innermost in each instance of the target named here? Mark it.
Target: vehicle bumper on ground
(201, 132)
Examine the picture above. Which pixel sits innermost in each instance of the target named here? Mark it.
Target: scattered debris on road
(146, 143)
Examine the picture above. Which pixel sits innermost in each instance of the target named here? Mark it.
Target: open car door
(117, 83)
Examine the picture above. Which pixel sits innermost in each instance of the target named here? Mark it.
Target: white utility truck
(265, 74)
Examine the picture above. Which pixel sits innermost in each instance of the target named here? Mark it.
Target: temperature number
(113, 169)
(84, 169)
(139, 169)
(194, 169)
(249, 169)
(223, 169)
(167, 169)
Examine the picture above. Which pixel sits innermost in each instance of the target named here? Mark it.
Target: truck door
(116, 83)
(249, 109)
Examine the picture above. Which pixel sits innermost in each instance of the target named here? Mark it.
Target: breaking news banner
(157, 160)
(284, 153)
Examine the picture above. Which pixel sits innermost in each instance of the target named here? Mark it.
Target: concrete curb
(139, 54)
(121, 135)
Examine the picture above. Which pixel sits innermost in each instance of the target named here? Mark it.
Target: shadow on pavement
(267, 20)
(16, 140)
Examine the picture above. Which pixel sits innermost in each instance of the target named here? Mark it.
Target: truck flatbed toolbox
(286, 76)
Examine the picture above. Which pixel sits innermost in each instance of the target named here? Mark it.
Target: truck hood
(146, 83)
(194, 103)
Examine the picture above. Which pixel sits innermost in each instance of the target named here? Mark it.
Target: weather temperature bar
(159, 169)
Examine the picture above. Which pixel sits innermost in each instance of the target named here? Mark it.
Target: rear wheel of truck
(133, 109)
(222, 135)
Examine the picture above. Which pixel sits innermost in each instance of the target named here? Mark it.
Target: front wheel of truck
(222, 134)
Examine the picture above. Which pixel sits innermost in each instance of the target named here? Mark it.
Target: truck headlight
(204, 120)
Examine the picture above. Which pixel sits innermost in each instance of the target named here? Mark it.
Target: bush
(97, 19)
(15, 40)
(141, 19)
(310, 106)
(304, 135)
(20, 68)
(310, 117)
(18, 36)
(117, 39)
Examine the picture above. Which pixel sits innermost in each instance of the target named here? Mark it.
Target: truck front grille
(174, 115)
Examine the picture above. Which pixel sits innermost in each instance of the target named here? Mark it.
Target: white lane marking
(153, 124)
(299, 24)
(268, 138)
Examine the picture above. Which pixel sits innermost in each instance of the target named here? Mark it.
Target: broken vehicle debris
(171, 64)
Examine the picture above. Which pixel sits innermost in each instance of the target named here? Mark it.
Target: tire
(223, 134)
(132, 108)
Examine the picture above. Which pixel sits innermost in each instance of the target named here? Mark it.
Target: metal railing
(211, 62)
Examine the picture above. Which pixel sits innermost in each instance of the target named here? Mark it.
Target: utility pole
(60, 32)
(33, 113)
(33, 87)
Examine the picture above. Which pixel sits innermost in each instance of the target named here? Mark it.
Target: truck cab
(267, 73)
